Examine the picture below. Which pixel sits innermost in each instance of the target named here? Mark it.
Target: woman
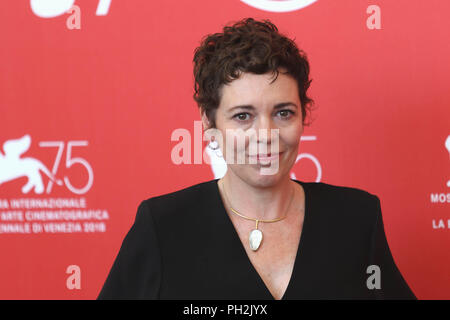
(256, 234)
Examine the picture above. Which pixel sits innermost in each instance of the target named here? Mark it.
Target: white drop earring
(214, 145)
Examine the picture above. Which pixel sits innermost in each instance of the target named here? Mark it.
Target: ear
(205, 120)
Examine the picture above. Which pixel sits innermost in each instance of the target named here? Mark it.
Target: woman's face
(250, 111)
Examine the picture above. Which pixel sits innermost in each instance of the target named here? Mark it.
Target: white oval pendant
(255, 239)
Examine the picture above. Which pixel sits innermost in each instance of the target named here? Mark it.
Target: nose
(267, 132)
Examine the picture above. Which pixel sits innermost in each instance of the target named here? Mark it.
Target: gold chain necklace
(255, 236)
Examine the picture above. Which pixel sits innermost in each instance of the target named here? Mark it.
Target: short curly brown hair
(246, 46)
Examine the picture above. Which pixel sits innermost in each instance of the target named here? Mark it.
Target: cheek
(291, 138)
(236, 142)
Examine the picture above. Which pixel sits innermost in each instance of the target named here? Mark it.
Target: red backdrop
(97, 106)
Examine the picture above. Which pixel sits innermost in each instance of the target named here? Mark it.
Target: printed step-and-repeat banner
(91, 93)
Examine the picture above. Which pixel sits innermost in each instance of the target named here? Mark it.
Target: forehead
(252, 88)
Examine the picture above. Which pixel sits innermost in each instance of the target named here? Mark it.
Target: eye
(241, 116)
(286, 113)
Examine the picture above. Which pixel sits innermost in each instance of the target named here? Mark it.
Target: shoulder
(181, 201)
(344, 202)
(342, 194)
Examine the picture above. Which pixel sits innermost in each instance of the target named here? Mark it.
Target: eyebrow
(250, 107)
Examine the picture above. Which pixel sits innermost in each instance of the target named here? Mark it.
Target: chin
(263, 180)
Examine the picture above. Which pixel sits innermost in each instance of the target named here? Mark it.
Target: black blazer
(183, 245)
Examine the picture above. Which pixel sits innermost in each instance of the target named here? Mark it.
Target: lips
(267, 157)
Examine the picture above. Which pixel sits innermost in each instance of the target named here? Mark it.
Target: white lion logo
(13, 167)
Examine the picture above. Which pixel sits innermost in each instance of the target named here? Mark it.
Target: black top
(183, 245)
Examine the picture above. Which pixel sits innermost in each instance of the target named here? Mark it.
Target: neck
(256, 201)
